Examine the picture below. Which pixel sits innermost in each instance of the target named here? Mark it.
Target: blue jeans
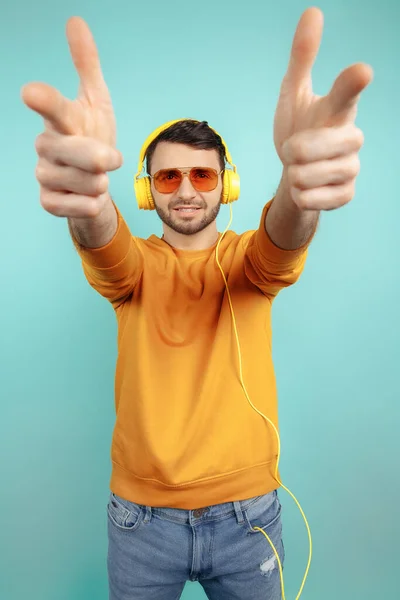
(152, 552)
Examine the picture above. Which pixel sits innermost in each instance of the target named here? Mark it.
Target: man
(194, 479)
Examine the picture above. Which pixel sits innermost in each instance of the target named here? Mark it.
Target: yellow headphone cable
(274, 429)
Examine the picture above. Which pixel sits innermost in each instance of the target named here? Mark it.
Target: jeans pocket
(264, 513)
(125, 515)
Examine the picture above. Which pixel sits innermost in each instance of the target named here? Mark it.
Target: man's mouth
(187, 210)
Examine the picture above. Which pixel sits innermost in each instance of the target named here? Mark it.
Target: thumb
(347, 88)
(50, 104)
(305, 46)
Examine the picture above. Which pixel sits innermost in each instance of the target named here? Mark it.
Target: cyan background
(335, 333)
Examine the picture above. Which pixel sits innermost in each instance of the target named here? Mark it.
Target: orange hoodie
(185, 435)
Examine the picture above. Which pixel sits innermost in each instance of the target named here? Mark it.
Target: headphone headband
(162, 128)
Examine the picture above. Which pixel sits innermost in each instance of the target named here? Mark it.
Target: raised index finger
(305, 46)
(86, 59)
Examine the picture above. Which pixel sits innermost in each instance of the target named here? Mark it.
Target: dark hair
(193, 133)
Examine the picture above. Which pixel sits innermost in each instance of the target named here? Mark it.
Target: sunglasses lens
(167, 181)
(204, 179)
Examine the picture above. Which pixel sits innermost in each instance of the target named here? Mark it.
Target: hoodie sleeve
(114, 269)
(269, 267)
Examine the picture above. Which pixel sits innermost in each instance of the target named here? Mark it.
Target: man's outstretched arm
(315, 138)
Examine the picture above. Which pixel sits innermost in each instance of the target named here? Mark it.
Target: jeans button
(199, 512)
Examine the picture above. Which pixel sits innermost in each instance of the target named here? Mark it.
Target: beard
(168, 217)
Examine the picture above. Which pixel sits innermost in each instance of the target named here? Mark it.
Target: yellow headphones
(142, 187)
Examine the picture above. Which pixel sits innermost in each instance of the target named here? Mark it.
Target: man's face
(169, 155)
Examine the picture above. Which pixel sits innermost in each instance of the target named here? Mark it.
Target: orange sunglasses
(203, 179)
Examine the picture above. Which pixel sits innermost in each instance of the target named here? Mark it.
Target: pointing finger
(305, 46)
(86, 58)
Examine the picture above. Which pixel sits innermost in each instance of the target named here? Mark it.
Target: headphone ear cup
(143, 193)
(231, 186)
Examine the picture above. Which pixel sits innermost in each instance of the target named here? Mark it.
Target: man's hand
(315, 137)
(78, 145)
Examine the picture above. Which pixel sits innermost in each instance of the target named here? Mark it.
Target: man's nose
(186, 191)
